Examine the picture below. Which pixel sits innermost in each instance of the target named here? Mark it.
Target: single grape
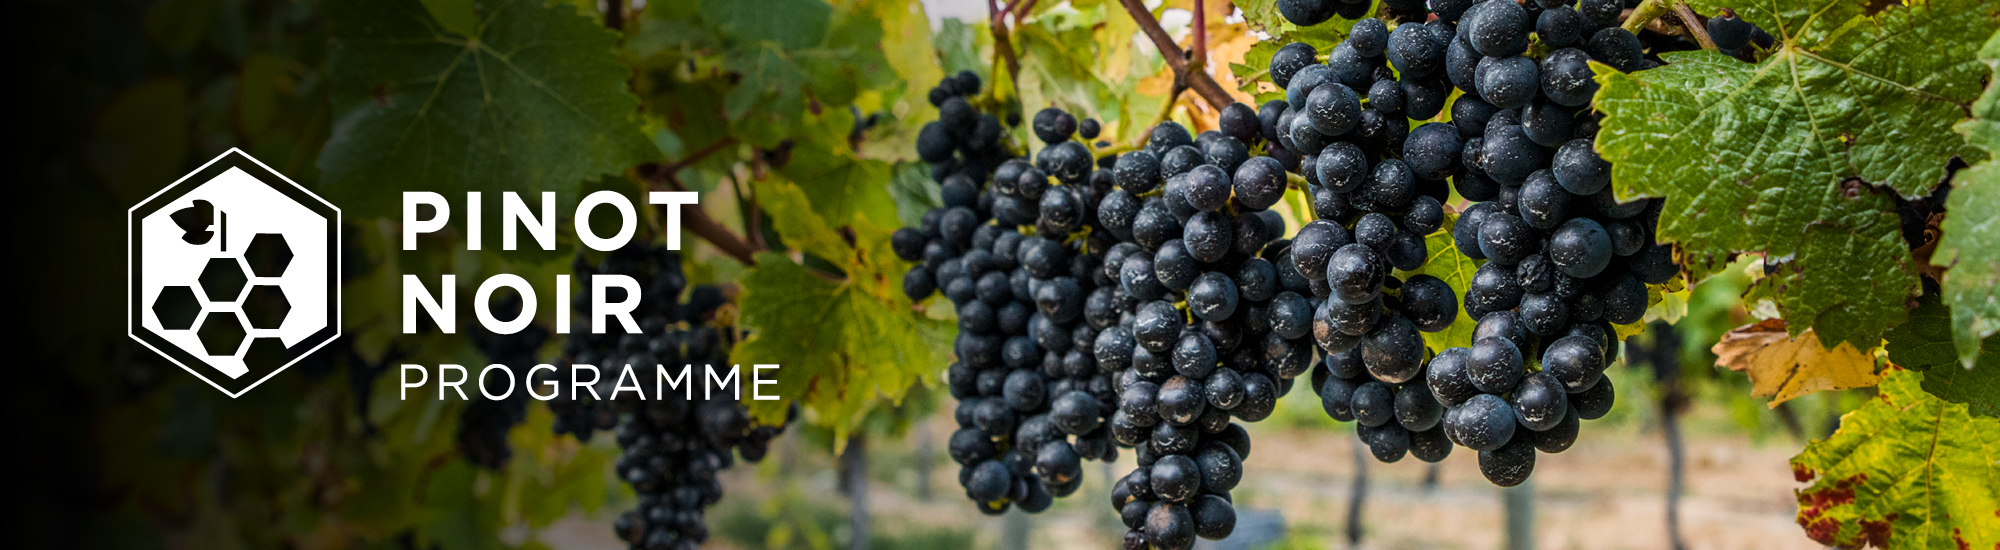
(1560, 437)
(1393, 351)
(1616, 47)
(1342, 167)
(1288, 60)
(1416, 409)
(1578, 168)
(1414, 51)
(1494, 365)
(1305, 13)
(1214, 518)
(1498, 30)
(1540, 402)
(1333, 109)
(1559, 27)
(1728, 32)
(1429, 303)
(1208, 236)
(1369, 37)
(1482, 423)
(1580, 248)
(1566, 77)
(1509, 464)
(1432, 150)
(1356, 272)
(1574, 361)
(1594, 403)
(1388, 442)
(1259, 183)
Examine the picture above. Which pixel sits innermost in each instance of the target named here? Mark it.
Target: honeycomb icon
(234, 272)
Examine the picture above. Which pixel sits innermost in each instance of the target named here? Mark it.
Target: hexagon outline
(134, 304)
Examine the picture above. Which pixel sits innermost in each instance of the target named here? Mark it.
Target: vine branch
(662, 178)
(1186, 72)
(689, 160)
(1201, 35)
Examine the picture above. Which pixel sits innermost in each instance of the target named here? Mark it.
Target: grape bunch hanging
(674, 447)
(1564, 260)
(1208, 323)
(483, 425)
(1016, 248)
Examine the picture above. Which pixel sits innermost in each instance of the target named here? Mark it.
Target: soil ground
(1607, 493)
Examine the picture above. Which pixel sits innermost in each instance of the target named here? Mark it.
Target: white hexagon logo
(234, 272)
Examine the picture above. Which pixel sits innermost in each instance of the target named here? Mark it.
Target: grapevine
(1108, 232)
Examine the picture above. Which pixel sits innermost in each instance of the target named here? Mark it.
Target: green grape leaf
(1749, 154)
(1263, 15)
(536, 101)
(791, 24)
(844, 344)
(1906, 470)
(1977, 387)
(769, 77)
(1971, 240)
(1256, 65)
(1448, 264)
(1925, 341)
(839, 185)
(960, 47)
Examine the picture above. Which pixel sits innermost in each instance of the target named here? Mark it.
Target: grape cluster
(1017, 258)
(1565, 259)
(674, 447)
(962, 141)
(1208, 322)
(483, 425)
(1378, 188)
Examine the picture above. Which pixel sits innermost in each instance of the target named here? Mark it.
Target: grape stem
(996, 21)
(1187, 73)
(1652, 10)
(1694, 26)
(1645, 13)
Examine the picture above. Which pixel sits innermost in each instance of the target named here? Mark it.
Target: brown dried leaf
(1782, 368)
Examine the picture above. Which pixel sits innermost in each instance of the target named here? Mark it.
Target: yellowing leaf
(845, 344)
(1781, 367)
(1906, 470)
